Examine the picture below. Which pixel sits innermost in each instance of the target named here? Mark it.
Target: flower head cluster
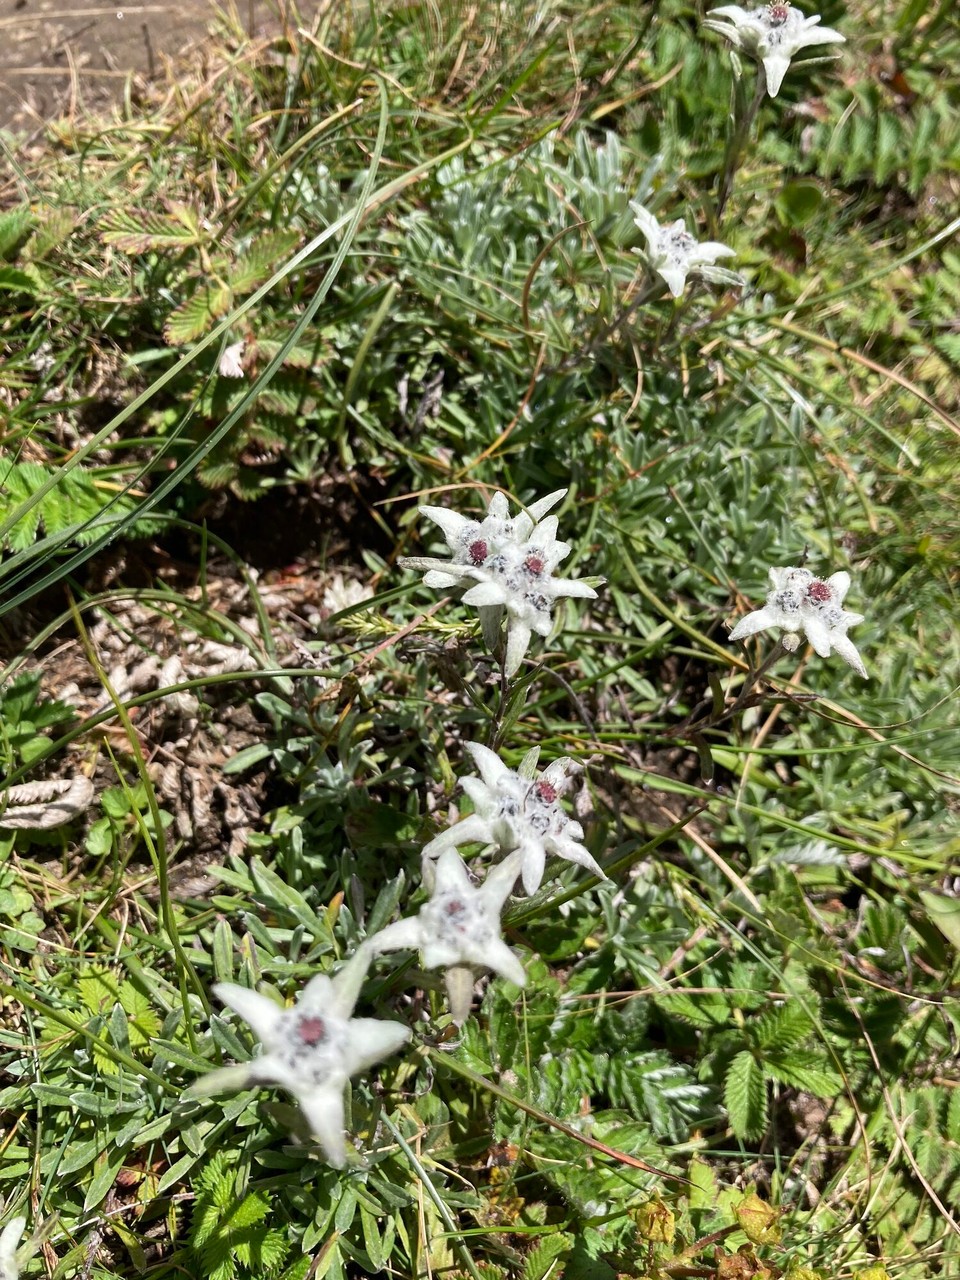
(772, 35)
(314, 1048)
(10, 1252)
(510, 561)
(459, 929)
(673, 253)
(797, 602)
(518, 811)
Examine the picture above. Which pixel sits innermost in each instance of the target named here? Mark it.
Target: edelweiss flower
(518, 811)
(312, 1049)
(9, 1248)
(459, 929)
(673, 253)
(801, 602)
(772, 35)
(511, 560)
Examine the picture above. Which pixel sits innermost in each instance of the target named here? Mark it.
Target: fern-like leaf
(140, 231)
(745, 1096)
(195, 316)
(258, 263)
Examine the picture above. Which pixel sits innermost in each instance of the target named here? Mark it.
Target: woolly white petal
(451, 874)
(485, 594)
(673, 277)
(546, 530)
(344, 989)
(817, 35)
(540, 508)
(518, 641)
(440, 581)
(9, 1242)
(323, 1108)
(818, 634)
(711, 250)
(534, 861)
(473, 829)
(759, 620)
(847, 650)
(498, 885)
(573, 588)
(402, 935)
(775, 66)
(503, 961)
(460, 980)
(369, 1040)
(839, 584)
(571, 851)
(489, 765)
(648, 224)
(451, 523)
(499, 507)
(262, 1013)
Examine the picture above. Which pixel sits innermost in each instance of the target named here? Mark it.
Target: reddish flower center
(778, 13)
(478, 551)
(312, 1030)
(534, 565)
(819, 591)
(454, 908)
(546, 792)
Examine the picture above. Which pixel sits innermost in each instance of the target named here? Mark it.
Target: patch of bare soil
(62, 57)
(147, 645)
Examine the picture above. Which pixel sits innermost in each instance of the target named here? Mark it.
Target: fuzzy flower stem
(739, 137)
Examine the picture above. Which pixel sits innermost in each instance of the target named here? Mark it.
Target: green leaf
(745, 1096)
(541, 1259)
(139, 231)
(945, 914)
(195, 316)
(258, 263)
(782, 1028)
(16, 281)
(15, 226)
(807, 1071)
(799, 201)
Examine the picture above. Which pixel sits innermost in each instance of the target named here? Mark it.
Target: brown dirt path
(62, 55)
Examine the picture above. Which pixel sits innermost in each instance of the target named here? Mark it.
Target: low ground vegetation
(409, 256)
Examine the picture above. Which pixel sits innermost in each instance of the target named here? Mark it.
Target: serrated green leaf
(15, 226)
(139, 231)
(745, 1096)
(783, 1028)
(195, 316)
(807, 1071)
(259, 261)
(540, 1261)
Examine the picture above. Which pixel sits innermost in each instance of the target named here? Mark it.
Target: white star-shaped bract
(9, 1248)
(673, 253)
(510, 560)
(313, 1049)
(516, 810)
(797, 602)
(772, 35)
(459, 929)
